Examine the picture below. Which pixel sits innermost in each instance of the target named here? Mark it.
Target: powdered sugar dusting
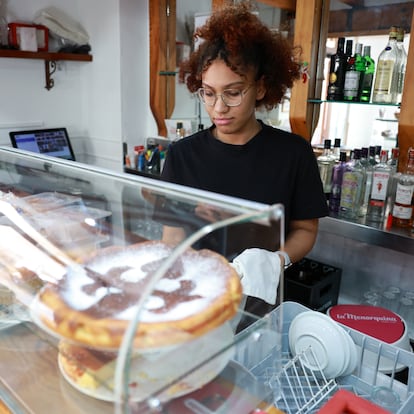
(202, 278)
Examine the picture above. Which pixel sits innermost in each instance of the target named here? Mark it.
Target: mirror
(179, 17)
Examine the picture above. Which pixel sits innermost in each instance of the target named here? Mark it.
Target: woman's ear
(260, 89)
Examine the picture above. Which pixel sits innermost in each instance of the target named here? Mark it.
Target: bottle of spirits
(179, 131)
(371, 157)
(402, 63)
(377, 203)
(378, 153)
(352, 189)
(395, 176)
(337, 73)
(365, 87)
(337, 177)
(336, 149)
(403, 208)
(369, 168)
(393, 160)
(326, 162)
(354, 71)
(348, 49)
(385, 85)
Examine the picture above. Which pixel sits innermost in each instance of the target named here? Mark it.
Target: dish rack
(297, 390)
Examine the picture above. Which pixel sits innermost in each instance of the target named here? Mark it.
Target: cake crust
(198, 293)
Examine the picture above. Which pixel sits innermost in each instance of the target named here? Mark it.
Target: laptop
(54, 142)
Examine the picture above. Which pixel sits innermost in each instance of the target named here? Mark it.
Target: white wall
(101, 103)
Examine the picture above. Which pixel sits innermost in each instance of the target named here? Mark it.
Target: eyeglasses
(230, 97)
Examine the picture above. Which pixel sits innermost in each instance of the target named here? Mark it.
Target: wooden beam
(281, 4)
(162, 61)
(310, 35)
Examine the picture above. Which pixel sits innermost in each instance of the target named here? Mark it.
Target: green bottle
(353, 74)
(367, 77)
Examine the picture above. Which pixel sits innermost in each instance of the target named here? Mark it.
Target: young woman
(240, 66)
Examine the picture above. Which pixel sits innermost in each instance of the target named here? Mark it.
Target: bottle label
(404, 194)
(351, 83)
(384, 76)
(402, 212)
(379, 186)
(351, 185)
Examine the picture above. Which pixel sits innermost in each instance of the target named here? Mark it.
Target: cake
(198, 293)
(88, 368)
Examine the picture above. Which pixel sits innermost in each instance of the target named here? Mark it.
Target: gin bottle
(326, 162)
(337, 177)
(352, 189)
(381, 177)
(369, 168)
(403, 208)
(365, 86)
(336, 149)
(385, 85)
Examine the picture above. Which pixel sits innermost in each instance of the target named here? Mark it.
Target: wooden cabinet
(313, 21)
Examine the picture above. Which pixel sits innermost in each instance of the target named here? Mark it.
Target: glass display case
(101, 313)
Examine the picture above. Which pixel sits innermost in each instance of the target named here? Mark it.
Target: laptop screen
(54, 142)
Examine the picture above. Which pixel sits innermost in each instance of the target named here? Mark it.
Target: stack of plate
(333, 351)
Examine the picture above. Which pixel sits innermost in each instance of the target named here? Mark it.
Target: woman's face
(234, 124)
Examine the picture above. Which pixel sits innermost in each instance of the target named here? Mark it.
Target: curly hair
(235, 35)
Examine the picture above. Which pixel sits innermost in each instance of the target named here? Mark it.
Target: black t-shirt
(275, 166)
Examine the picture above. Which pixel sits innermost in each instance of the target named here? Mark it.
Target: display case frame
(28, 345)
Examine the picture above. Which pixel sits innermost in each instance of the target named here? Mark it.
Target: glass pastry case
(101, 313)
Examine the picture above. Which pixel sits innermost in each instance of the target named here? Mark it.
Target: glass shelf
(320, 101)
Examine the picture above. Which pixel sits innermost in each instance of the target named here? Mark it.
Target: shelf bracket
(50, 68)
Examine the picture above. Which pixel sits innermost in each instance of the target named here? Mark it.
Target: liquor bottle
(402, 63)
(385, 85)
(395, 176)
(369, 168)
(354, 71)
(337, 177)
(377, 203)
(378, 153)
(352, 188)
(371, 157)
(365, 87)
(393, 160)
(348, 49)
(325, 163)
(179, 131)
(336, 149)
(403, 208)
(337, 73)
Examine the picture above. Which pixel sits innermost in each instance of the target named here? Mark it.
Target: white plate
(352, 353)
(326, 339)
(149, 374)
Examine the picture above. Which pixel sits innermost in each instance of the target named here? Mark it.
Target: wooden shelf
(20, 54)
(50, 59)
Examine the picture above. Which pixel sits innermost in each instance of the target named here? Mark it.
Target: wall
(101, 103)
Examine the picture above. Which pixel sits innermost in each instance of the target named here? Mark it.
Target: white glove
(259, 272)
